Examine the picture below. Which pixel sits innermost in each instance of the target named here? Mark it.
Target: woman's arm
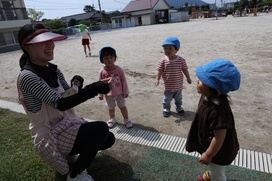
(33, 85)
(62, 80)
(84, 94)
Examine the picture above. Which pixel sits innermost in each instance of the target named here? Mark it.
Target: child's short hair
(106, 51)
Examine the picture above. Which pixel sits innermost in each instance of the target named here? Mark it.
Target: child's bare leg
(124, 112)
(89, 50)
(112, 121)
(84, 46)
(127, 121)
(112, 113)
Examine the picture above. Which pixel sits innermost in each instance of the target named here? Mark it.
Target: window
(7, 38)
(2, 40)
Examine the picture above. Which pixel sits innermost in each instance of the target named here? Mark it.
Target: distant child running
(212, 132)
(171, 68)
(86, 38)
(119, 90)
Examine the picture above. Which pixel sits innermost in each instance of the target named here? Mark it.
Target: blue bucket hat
(219, 74)
(171, 40)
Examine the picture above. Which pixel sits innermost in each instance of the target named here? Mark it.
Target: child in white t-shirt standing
(119, 87)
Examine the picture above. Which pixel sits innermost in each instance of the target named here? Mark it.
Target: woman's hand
(108, 80)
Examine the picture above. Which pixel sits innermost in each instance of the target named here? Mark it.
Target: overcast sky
(58, 8)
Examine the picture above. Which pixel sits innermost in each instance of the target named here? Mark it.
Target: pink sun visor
(42, 35)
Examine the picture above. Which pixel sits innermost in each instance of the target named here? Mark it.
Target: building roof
(139, 5)
(181, 3)
(81, 16)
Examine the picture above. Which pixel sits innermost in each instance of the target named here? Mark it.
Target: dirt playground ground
(246, 41)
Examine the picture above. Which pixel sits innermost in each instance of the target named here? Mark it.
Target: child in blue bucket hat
(213, 133)
(171, 69)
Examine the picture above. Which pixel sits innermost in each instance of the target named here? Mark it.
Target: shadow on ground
(132, 162)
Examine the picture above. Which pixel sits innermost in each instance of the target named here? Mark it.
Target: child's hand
(189, 81)
(125, 95)
(205, 159)
(157, 82)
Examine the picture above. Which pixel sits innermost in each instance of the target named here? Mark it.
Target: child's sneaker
(128, 123)
(180, 110)
(111, 122)
(90, 54)
(166, 113)
(204, 177)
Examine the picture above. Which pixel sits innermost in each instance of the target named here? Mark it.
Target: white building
(142, 12)
(13, 16)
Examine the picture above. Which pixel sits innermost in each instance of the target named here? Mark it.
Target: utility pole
(100, 11)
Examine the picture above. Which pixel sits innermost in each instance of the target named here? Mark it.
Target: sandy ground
(246, 41)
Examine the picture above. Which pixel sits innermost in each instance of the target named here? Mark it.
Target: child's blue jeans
(168, 96)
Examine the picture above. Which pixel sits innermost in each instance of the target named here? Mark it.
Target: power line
(57, 5)
(44, 9)
(52, 2)
(120, 2)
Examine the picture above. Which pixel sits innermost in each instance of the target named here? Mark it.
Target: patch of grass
(122, 162)
(18, 160)
(161, 165)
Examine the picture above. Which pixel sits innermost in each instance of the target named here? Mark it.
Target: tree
(88, 8)
(72, 22)
(241, 5)
(34, 15)
(85, 22)
(56, 26)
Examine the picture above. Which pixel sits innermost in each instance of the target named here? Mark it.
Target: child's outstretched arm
(158, 77)
(215, 145)
(187, 75)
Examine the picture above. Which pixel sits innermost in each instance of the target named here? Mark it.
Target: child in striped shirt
(171, 68)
